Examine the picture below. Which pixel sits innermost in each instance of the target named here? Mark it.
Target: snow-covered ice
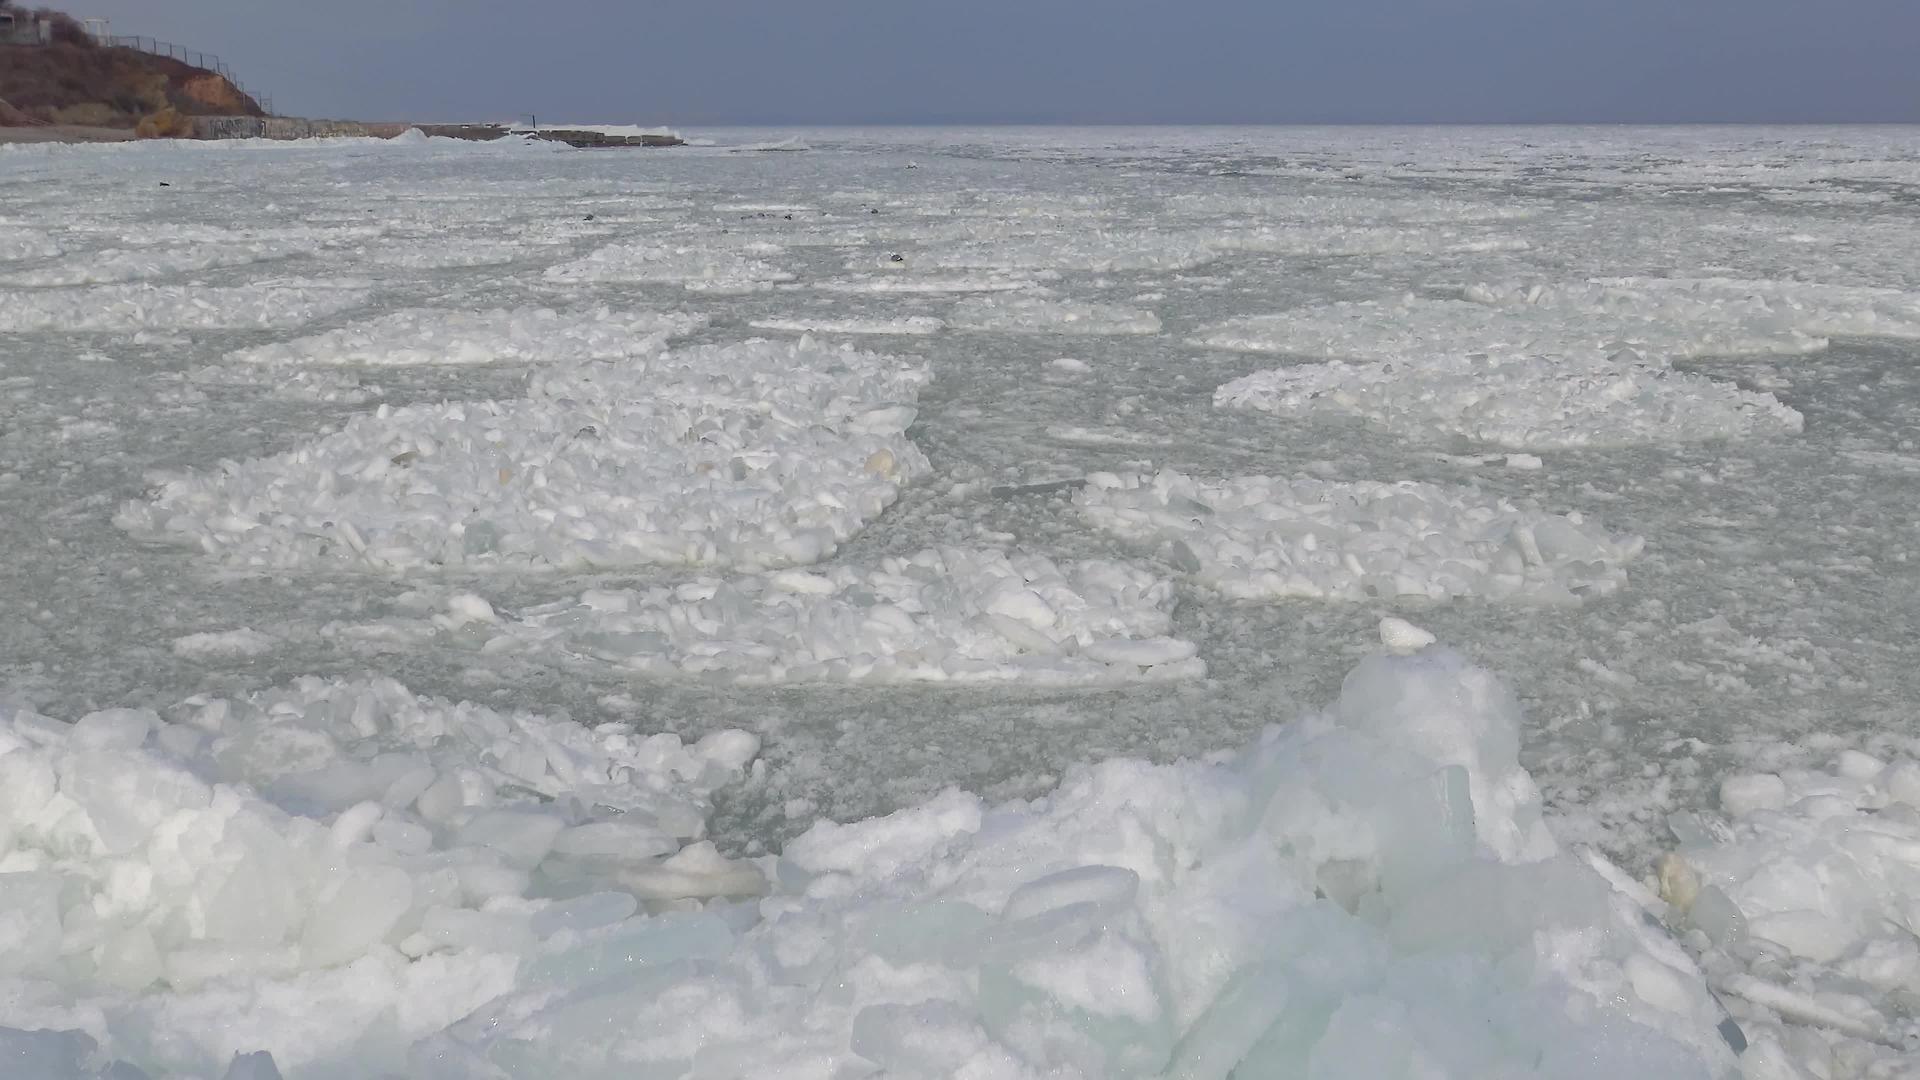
(1261, 537)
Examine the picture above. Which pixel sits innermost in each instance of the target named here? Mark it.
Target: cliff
(71, 82)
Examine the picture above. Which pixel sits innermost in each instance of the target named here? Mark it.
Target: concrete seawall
(288, 127)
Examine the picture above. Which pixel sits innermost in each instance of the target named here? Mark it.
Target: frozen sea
(452, 591)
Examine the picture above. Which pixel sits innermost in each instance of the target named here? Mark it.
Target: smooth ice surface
(752, 455)
(942, 615)
(1261, 537)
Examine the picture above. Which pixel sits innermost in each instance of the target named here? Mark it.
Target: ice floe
(916, 284)
(1262, 537)
(708, 267)
(1354, 240)
(132, 264)
(269, 305)
(426, 336)
(1523, 402)
(912, 325)
(1503, 325)
(942, 615)
(1088, 249)
(1036, 315)
(18, 244)
(1786, 307)
(754, 455)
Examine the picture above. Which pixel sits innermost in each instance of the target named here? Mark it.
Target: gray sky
(693, 62)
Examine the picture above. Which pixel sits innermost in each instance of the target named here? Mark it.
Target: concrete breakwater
(292, 127)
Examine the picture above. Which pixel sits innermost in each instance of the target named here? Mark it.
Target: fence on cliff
(185, 55)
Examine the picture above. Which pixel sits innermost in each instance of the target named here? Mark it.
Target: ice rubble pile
(696, 266)
(422, 336)
(1035, 315)
(942, 615)
(1368, 892)
(264, 305)
(1262, 537)
(752, 455)
(325, 863)
(1803, 895)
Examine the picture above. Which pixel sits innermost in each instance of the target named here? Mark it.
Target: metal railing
(194, 57)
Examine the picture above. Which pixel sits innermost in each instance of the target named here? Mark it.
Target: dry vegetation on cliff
(75, 80)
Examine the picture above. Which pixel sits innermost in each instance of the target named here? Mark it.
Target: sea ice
(695, 266)
(1502, 324)
(18, 244)
(1531, 403)
(1081, 249)
(942, 615)
(1799, 895)
(753, 455)
(278, 872)
(915, 325)
(1034, 315)
(1260, 537)
(1788, 309)
(136, 263)
(266, 305)
(1365, 892)
(424, 336)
